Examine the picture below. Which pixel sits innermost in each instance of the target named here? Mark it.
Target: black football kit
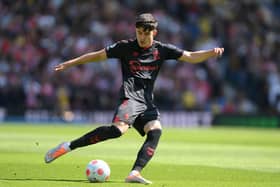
(140, 67)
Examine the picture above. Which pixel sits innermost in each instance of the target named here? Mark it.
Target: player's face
(145, 38)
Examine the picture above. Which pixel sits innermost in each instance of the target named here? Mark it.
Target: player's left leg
(97, 135)
(153, 131)
(124, 116)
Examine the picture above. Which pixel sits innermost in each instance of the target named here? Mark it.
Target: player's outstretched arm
(200, 56)
(86, 58)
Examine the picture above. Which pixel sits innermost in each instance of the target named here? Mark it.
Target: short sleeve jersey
(140, 66)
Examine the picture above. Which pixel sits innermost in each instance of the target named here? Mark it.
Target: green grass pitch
(208, 157)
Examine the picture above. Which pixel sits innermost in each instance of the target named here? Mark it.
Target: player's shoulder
(127, 41)
(158, 43)
(121, 44)
(163, 45)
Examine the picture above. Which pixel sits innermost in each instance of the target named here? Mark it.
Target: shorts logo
(126, 116)
(116, 119)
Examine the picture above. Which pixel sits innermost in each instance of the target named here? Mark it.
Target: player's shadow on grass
(55, 180)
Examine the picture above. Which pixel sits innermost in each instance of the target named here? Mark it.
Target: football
(98, 171)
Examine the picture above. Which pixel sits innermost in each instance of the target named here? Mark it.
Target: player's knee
(121, 126)
(152, 125)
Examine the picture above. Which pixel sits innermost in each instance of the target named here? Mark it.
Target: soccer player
(141, 59)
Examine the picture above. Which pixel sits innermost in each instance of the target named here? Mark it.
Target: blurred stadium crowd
(35, 35)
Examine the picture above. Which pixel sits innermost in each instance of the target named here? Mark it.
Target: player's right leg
(97, 135)
(152, 129)
(135, 177)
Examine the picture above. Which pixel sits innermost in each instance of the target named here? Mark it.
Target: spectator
(34, 36)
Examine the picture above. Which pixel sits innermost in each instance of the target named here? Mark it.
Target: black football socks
(147, 150)
(97, 135)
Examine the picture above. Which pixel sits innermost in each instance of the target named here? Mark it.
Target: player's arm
(96, 56)
(200, 56)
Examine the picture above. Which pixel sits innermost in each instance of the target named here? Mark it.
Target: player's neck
(146, 47)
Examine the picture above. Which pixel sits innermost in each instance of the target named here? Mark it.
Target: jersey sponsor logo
(136, 66)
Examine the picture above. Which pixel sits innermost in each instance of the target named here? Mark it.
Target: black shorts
(135, 114)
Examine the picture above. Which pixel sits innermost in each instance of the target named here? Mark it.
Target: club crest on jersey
(156, 54)
(135, 53)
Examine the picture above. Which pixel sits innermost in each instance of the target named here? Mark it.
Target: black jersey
(140, 66)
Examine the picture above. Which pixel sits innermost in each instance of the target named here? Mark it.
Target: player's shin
(97, 135)
(147, 150)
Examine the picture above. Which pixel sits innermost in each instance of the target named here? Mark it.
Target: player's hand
(60, 67)
(218, 52)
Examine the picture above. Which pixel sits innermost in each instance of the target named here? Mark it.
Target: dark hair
(146, 21)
